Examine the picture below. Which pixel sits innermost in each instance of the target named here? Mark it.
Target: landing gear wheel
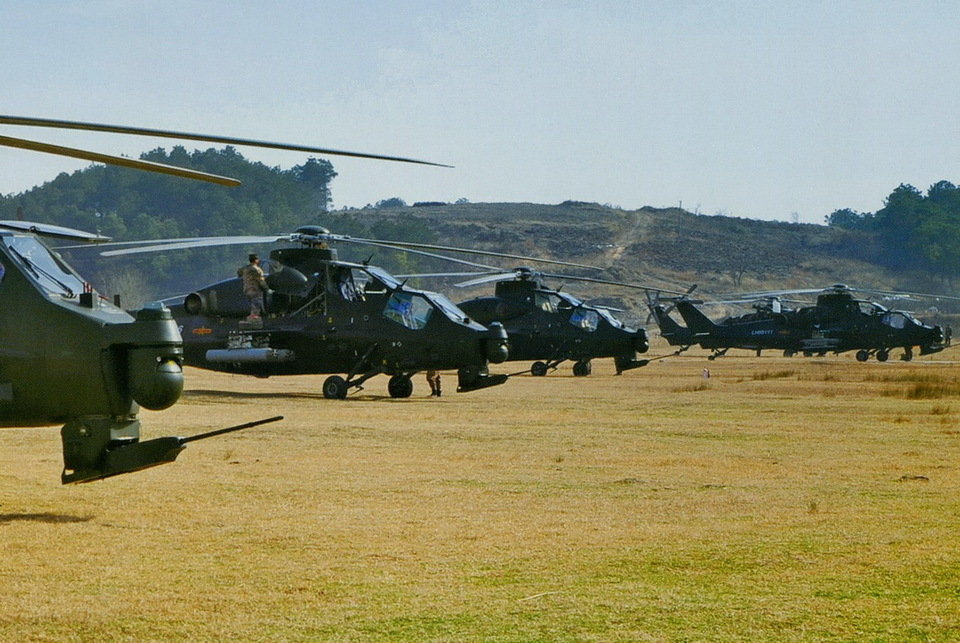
(335, 388)
(582, 369)
(400, 386)
(907, 355)
(882, 355)
(863, 355)
(539, 369)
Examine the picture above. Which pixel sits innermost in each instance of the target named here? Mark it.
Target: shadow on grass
(199, 394)
(52, 518)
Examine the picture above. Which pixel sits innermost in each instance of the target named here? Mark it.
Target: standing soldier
(254, 285)
(433, 379)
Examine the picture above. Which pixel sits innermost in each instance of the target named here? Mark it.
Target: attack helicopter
(324, 315)
(70, 355)
(838, 322)
(551, 326)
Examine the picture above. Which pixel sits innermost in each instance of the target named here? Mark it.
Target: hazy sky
(752, 109)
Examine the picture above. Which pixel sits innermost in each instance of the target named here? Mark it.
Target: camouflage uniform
(254, 285)
(433, 379)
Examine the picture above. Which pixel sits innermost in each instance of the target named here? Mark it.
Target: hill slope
(667, 247)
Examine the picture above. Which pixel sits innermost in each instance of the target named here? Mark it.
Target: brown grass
(804, 506)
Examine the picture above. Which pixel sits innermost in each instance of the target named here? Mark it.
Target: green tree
(847, 218)
(393, 202)
(316, 175)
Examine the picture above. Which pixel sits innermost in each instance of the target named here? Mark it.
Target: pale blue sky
(753, 109)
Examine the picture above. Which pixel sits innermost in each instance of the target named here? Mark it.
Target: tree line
(912, 230)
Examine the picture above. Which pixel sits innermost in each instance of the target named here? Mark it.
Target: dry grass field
(788, 499)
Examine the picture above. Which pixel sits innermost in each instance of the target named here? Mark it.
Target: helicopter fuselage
(54, 333)
(328, 316)
(544, 324)
(69, 356)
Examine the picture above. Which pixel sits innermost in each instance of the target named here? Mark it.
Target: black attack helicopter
(69, 355)
(324, 315)
(838, 322)
(550, 326)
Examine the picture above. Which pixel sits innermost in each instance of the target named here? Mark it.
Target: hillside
(666, 247)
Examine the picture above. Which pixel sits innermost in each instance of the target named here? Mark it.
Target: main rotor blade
(436, 275)
(602, 307)
(207, 242)
(149, 166)
(763, 294)
(608, 282)
(198, 242)
(907, 295)
(209, 138)
(486, 279)
(55, 231)
(395, 248)
(141, 242)
(486, 253)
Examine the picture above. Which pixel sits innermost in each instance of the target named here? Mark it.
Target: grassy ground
(799, 499)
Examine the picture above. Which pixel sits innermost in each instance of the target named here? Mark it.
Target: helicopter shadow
(47, 517)
(388, 399)
(199, 394)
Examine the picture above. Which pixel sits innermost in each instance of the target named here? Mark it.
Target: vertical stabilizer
(696, 321)
(670, 330)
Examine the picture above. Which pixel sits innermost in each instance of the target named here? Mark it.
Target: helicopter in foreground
(838, 322)
(324, 315)
(69, 355)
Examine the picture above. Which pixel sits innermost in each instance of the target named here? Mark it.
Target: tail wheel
(400, 386)
(335, 388)
(539, 369)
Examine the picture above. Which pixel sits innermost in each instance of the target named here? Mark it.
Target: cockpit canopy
(44, 268)
(407, 309)
(585, 318)
(899, 319)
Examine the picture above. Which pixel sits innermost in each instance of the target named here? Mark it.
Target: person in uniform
(433, 379)
(254, 285)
